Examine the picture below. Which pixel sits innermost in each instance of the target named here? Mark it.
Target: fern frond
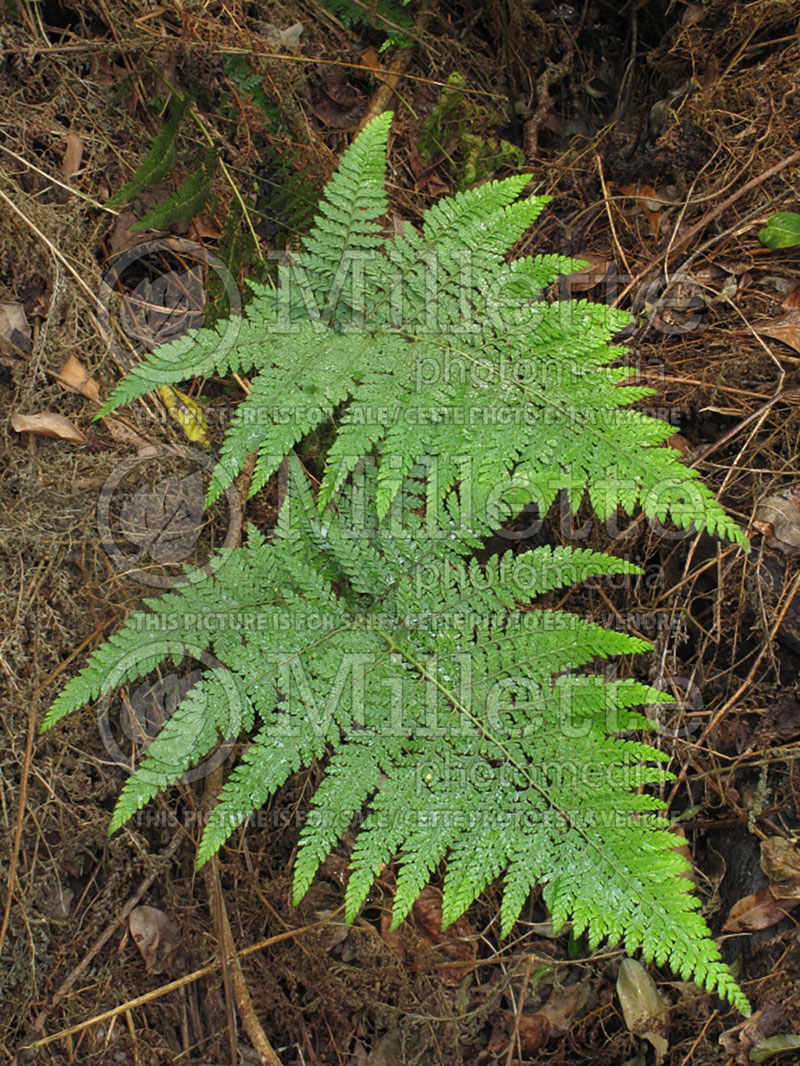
(216, 707)
(461, 724)
(233, 344)
(187, 201)
(350, 213)
(435, 329)
(159, 160)
(306, 380)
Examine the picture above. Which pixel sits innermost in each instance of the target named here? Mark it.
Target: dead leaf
(370, 58)
(692, 13)
(342, 100)
(427, 178)
(75, 378)
(785, 328)
(792, 301)
(778, 518)
(47, 425)
(597, 266)
(392, 938)
(561, 1006)
(738, 1041)
(684, 849)
(387, 1052)
(288, 39)
(533, 1032)
(781, 863)
(73, 154)
(782, 724)
(456, 943)
(649, 201)
(679, 443)
(34, 297)
(155, 935)
(335, 868)
(122, 236)
(121, 239)
(643, 1009)
(757, 911)
(15, 333)
(123, 434)
(427, 914)
(202, 227)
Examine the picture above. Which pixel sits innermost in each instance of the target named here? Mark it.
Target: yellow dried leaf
(187, 413)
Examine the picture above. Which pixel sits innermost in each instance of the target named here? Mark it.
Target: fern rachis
(404, 682)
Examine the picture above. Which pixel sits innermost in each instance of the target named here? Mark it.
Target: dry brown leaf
(123, 434)
(73, 154)
(684, 849)
(757, 911)
(592, 274)
(792, 301)
(782, 724)
(456, 943)
(74, 377)
(784, 328)
(781, 863)
(778, 518)
(427, 913)
(533, 1032)
(47, 425)
(649, 201)
(203, 227)
(392, 938)
(15, 333)
(35, 297)
(371, 59)
(155, 935)
(561, 1006)
(341, 101)
(738, 1041)
(123, 237)
(679, 443)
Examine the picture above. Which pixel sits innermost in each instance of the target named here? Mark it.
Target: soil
(666, 134)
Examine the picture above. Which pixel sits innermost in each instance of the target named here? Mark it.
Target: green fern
(443, 350)
(188, 200)
(463, 718)
(439, 703)
(447, 133)
(378, 14)
(159, 160)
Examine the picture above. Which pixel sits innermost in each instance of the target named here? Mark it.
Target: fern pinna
(458, 715)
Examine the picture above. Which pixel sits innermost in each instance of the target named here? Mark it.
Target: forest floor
(666, 133)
